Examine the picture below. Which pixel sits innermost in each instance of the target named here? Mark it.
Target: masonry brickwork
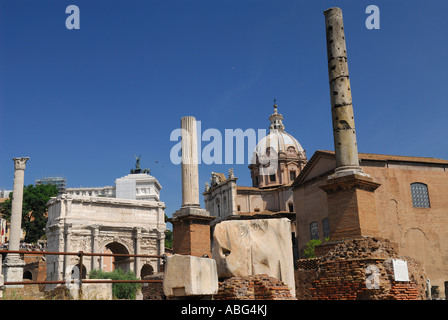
(416, 232)
(351, 206)
(254, 287)
(341, 273)
(191, 236)
(153, 290)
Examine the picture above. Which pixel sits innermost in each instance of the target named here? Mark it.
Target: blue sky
(81, 103)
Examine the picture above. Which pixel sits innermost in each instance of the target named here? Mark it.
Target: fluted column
(190, 222)
(190, 177)
(344, 133)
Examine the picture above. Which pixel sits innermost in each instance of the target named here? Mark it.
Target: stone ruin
(255, 255)
(246, 248)
(358, 269)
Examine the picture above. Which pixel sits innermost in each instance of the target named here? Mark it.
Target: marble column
(160, 250)
(191, 223)
(344, 133)
(190, 176)
(67, 265)
(13, 265)
(95, 235)
(137, 244)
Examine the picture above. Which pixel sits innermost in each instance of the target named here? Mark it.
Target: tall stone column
(350, 191)
(344, 132)
(13, 264)
(190, 176)
(67, 265)
(191, 223)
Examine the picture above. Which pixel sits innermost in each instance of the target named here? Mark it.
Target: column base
(346, 171)
(351, 206)
(191, 231)
(13, 270)
(191, 210)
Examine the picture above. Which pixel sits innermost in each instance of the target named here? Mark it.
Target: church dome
(278, 139)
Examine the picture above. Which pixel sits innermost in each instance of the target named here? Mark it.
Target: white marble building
(103, 225)
(126, 219)
(136, 186)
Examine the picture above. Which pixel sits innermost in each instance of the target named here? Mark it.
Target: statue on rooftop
(137, 167)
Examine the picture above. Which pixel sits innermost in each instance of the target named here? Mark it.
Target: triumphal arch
(104, 225)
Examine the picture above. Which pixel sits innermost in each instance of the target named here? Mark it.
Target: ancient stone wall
(358, 269)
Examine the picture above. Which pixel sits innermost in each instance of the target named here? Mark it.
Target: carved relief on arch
(104, 241)
(80, 243)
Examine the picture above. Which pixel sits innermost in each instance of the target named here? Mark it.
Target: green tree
(34, 212)
(168, 237)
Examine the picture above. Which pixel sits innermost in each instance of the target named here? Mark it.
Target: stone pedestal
(188, 277)
(191, 231)
(351, 206)
(13, 270)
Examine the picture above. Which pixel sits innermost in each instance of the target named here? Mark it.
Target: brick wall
(191, 236)
(153, 290)
(181, 237)
(200, 237)
(351, 207)
(254, 287)
(342, 274)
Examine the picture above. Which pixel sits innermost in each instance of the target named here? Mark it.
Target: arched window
(420, 195)
(314, 230)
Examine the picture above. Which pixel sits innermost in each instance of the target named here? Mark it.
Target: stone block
(92, 291)
(190, 276)
(259, 246)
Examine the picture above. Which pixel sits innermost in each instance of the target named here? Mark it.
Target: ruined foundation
(358, 269)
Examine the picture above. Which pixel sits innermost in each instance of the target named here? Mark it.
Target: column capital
(20, 163)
